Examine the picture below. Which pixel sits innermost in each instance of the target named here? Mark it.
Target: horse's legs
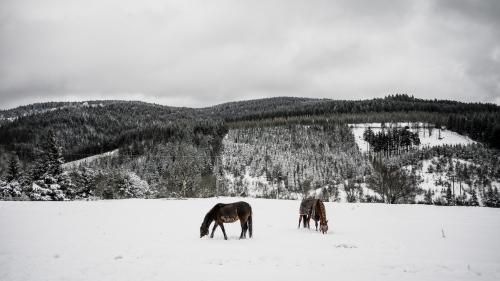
(300, 220)
(244, 228)
(316, 223)
(213, 230)
(243, 224)
(223, 230)
(249, 222)
(308, 222)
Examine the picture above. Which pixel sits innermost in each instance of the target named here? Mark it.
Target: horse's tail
(249, 222)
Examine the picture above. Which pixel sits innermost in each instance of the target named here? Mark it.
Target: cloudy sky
(199, 53)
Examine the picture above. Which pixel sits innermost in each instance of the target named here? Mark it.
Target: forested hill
(249, 147)
(480, 121)
(86, 128)
(288, 107)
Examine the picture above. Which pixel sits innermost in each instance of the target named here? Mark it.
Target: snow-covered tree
(11, 190)
(85, 180)
(352, 191)
(13, 169)
(473, 201)
(428, 197)
(491, 197)
(450, 200)
(49, 180)
(133, 187)
(394, 184)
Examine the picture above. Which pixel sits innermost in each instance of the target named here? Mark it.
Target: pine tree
(13, 170)
(49, 180)
(54, 155)
(488, 197)
(430, 169)
(495, 198)
(449, 196)
(39, 167)
(473, 201)
(428, 197)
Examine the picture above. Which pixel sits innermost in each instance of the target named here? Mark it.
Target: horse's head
(324, 227)
(203, 230)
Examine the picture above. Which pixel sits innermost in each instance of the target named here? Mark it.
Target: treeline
(164, 161)
(289, 107)
(480, 126)
(478, 120)
(392, 140)
(95, 127)
(88, 130)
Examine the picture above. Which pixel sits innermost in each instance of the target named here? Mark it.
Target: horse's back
(230, 212)
(243, 207)
(306, 206)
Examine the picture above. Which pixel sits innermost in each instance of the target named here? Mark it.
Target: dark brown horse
(315, 209)
(222, 213)
(305, 211)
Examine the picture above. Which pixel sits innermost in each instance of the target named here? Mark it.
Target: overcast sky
(199, 53)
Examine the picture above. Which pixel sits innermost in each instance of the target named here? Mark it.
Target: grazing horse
(315, 209)
(305, 211)
(222, 213)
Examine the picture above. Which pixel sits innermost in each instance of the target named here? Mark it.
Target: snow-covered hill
(159, 240)
(429, 136)
(41, 108)
(90, 159)
(292, 160)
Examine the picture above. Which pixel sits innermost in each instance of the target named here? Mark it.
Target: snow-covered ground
(159, 240)
(86, 160)
(428, 137)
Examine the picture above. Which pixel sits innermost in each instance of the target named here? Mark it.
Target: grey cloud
(475, 12)
(198, 53)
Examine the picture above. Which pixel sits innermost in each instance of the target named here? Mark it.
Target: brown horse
(315, 209)
(222, 213)
(305, 211)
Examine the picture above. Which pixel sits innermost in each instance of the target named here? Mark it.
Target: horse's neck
(209, 217)
(212, 214)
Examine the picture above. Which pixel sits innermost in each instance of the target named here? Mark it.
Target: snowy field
(428, 137)
(159, 240)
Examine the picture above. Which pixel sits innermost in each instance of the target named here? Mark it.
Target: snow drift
(159, 240)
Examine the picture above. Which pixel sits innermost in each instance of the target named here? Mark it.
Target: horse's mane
(210, 215)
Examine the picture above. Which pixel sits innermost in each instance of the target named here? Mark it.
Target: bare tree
(394, 184)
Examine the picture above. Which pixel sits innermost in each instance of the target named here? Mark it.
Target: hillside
(277, 147)
(331, 162)
(86, 128)
(94, 127)
(291, 160)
